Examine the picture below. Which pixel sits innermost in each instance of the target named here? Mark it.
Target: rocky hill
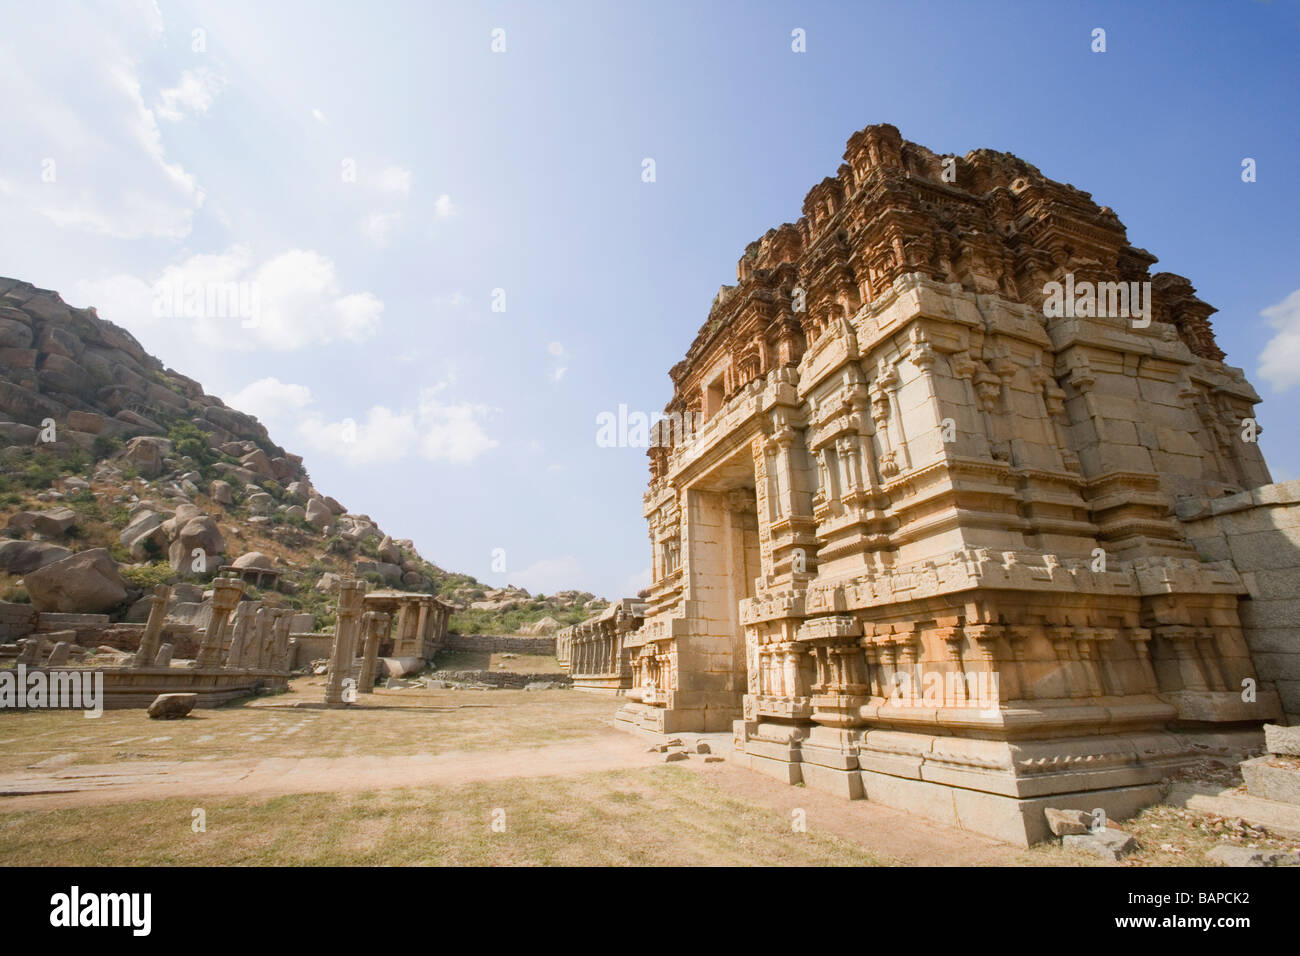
(117, 473)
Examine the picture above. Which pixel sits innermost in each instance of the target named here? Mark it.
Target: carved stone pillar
(374, 625)
(280, 640)
(225, 596)
(343, 652)
(149, 641)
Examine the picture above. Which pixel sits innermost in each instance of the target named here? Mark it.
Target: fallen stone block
(1282, 740)
(674, 755)
(1107, 843)
(702, 747)
(172, 706)
(1273, 778)
(1068, 822)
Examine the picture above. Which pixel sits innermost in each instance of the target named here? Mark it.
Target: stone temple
(954, 507)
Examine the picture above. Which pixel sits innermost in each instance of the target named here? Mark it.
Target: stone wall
(16, 620)
(503, 679)
(309, 647)
(498, 643)
(1259, 532)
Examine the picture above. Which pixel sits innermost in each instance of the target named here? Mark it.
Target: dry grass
(1169, 836)
(664, 816)
(429, 722)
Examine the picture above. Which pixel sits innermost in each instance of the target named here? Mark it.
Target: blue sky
(521, 171)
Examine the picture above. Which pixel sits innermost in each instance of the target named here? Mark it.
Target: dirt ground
(66, 781)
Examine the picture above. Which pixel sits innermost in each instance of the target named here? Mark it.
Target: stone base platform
(611, 686)
(663, 720)
(137, 687)
(996, 788)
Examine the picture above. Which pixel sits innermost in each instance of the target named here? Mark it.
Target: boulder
(13, 433)
(85, 582)
(172, 706)
(414, 581)
(297, 512)
(254, 559)
(184, 514)
(318, 513)
(52, 524)
(391, 573)
(547, 625)
(23, 557)
(260, 503)
(14, 334)
(146, 454)
(222, 493)
(199, 536)
(328, 583)
(257, 462)
(145, 528)
(334, 506)
(389, 552)
(91, 422)
(202, 532)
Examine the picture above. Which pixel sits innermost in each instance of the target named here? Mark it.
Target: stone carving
(925, 535)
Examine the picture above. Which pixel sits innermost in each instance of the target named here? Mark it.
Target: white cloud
(453, 432)
(319, 117)
(435, 431)
(192, 96)
(1279, 363)
(379, 226)
(443, 207)
(395, 179)
(84, 150)
(383, 438)
(228, 301)
(270, 399)
(548, 576)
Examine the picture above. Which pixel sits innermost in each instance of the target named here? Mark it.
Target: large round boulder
(23, 557)
(86, 582)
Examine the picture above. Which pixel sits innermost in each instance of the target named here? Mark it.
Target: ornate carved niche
(748, 367)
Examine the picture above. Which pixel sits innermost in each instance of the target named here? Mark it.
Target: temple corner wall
(1258, 531)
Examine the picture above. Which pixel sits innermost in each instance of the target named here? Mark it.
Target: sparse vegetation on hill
(101, 447)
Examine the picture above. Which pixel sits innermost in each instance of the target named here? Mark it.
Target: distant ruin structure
(596, 652)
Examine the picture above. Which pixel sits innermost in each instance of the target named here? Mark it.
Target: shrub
(148, 576)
